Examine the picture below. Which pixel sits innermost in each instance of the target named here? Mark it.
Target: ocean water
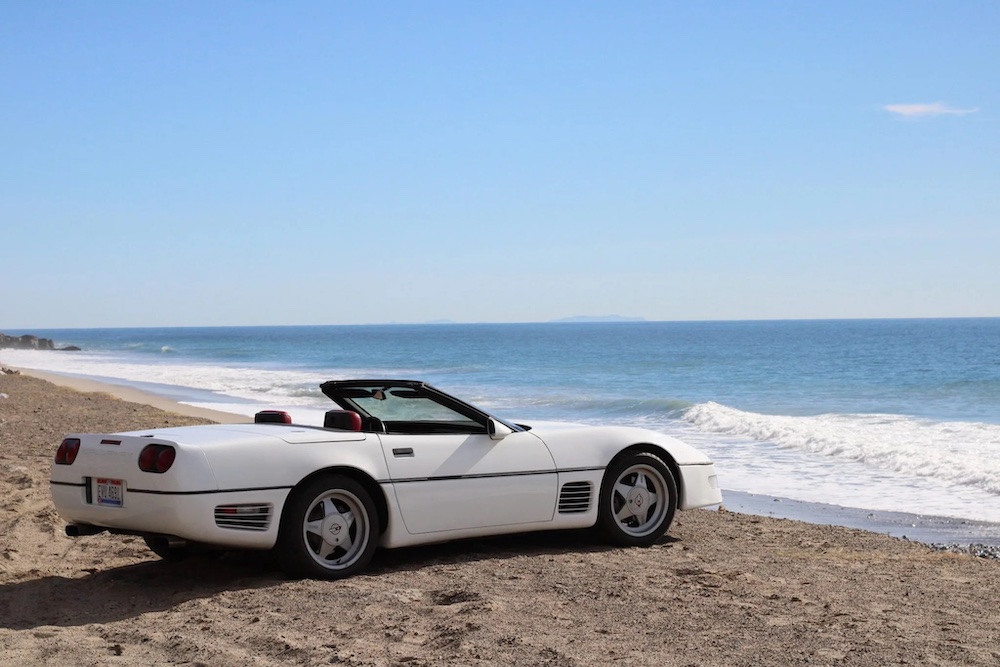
(898, 415)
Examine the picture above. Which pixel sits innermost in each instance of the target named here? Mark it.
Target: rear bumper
(699, 486)
(189, 516)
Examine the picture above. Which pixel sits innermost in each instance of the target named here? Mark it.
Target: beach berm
(722, 589)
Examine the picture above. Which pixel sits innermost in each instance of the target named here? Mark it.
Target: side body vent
(243, 517)
(574, 497)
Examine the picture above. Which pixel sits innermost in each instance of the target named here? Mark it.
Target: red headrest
(346, 420)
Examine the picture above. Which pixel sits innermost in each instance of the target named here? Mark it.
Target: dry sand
(722, 589)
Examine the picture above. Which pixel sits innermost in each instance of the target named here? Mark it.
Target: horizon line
(559, 321)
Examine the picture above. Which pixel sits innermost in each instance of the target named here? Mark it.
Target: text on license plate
(110, 492)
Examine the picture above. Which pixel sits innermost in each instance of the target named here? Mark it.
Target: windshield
(406, 405)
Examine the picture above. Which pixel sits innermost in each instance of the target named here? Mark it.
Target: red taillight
(68, 449)
(165, 459)
(272, 417)
(156, 458)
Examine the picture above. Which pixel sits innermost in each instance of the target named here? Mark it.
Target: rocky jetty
(29, 342)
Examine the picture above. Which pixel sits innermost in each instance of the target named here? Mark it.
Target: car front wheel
(638, 500)
(329, 529)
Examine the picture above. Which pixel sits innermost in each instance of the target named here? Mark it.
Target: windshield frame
(346, 393)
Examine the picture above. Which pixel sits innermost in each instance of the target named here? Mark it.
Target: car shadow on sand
(105, 596)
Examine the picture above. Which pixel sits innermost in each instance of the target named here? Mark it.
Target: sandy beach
(723, 588)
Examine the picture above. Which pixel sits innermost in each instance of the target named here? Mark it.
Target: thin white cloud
(927, 110)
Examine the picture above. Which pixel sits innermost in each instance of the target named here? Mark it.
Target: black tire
(638, 500)
(329, 529)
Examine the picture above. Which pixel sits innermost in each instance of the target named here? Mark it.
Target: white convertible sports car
(397, 463)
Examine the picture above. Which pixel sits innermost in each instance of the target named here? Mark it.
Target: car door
(447, 482)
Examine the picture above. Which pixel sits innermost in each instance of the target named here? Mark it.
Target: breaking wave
(962, 453)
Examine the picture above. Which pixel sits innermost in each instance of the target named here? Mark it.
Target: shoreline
(926, 529)
(133, 396)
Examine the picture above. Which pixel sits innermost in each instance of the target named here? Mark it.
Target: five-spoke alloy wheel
(638, 500)
(329, 529)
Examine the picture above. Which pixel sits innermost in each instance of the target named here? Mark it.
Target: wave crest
(963, 453)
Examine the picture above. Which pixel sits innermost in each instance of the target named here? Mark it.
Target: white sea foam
(889, 462)
(253, 386)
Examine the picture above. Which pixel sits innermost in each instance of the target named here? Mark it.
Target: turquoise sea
(900, 415)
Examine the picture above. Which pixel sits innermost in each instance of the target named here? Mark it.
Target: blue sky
(228, 163)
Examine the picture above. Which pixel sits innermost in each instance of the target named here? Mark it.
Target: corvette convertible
(396, 463)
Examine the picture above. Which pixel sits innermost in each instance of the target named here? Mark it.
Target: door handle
(402, 451)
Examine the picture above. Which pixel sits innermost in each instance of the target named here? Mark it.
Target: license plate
(110, 492)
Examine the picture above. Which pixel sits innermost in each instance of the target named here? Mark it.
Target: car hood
(576, 445)
(540, 425)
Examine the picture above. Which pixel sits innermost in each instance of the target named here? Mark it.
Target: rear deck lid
(211, 435)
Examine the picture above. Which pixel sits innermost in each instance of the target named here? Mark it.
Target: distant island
(574, 319)
(600, 318)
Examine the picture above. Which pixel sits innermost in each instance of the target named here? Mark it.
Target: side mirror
(497, 430)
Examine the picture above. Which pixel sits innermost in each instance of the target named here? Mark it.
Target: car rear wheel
(329, 529)
(638, 500)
